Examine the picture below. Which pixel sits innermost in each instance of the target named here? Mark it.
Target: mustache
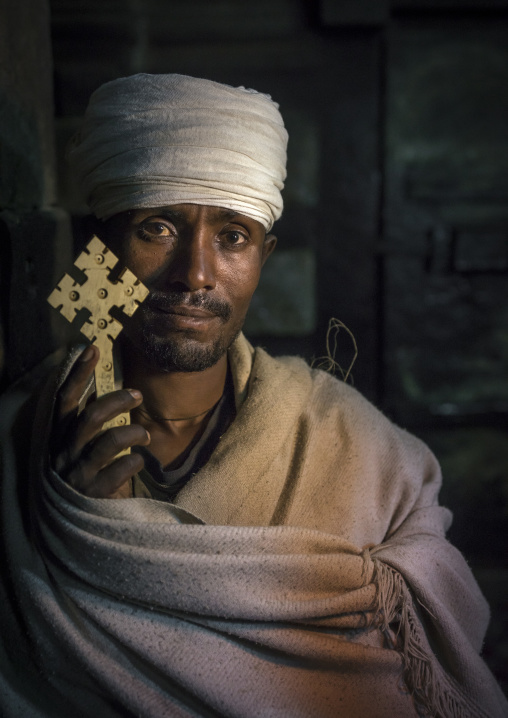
(166, 301)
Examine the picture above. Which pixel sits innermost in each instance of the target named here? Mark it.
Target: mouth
(181, 318)
(177, 308)
(183, 311)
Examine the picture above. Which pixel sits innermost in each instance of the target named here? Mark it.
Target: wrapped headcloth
(156, 140)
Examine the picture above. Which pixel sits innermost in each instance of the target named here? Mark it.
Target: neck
(174, 395)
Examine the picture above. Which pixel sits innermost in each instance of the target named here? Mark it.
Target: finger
(76, 383)
(101, 453)
(111, 443)
(97, 413)
(109, 480)
(68, 400)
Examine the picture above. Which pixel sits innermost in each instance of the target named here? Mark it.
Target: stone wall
(35, 240)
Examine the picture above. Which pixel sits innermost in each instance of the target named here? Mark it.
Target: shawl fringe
(432, 689)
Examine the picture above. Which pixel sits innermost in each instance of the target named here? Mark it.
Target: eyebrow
(227, 213)
(170, 213)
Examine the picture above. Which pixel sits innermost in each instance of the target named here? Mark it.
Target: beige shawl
(302, 573)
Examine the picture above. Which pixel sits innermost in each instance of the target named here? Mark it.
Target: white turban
(156, 140)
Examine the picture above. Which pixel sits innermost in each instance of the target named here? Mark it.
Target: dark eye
(235, 238)
(154, 230)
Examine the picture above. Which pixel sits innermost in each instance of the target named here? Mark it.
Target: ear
(268, 247)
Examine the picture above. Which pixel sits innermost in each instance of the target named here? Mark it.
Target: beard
(183, 352)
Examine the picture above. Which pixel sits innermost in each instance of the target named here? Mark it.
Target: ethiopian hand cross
(98, 294)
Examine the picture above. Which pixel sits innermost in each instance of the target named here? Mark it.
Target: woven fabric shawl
(302, 573)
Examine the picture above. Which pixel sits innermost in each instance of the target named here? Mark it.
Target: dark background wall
(396, 206)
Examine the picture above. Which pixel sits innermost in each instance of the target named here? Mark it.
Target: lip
(181, 317)
(190, 312)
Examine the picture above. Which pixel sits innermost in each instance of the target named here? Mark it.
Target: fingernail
(148, 435)
(135, 393)
(86, 355)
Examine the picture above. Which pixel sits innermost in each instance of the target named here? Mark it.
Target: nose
(193, 264)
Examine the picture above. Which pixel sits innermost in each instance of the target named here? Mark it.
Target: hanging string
(329, 363)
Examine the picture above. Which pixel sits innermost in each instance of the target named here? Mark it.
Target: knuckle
(64, 394)
(114, 437)
(65, 402)
(77, 478)
(114, 476)
(130, 464)
(137, 462)
(89, 414)
(106, 407)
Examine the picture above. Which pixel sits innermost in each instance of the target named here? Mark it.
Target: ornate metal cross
(98, 294)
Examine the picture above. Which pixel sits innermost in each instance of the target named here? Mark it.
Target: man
(274, 545)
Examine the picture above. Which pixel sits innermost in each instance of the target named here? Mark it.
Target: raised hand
(83, 454)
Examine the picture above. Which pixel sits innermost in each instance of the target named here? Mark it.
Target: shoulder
(333, 398)
(373, 472)
(335, 407)
(327, 395)
(365, 420)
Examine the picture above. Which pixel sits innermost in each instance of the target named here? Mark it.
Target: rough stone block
(284, 303)
(26, 106)
(40, 251)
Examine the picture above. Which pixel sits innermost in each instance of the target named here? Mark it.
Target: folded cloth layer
(156, 140)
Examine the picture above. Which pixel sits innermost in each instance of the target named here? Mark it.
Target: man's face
(201, 265)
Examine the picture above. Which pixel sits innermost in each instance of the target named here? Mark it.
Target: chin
(182, 353)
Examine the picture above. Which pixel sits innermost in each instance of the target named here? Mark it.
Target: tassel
(435, 693)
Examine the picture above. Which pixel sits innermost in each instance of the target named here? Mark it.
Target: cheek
(146, 263)
(242, 284)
